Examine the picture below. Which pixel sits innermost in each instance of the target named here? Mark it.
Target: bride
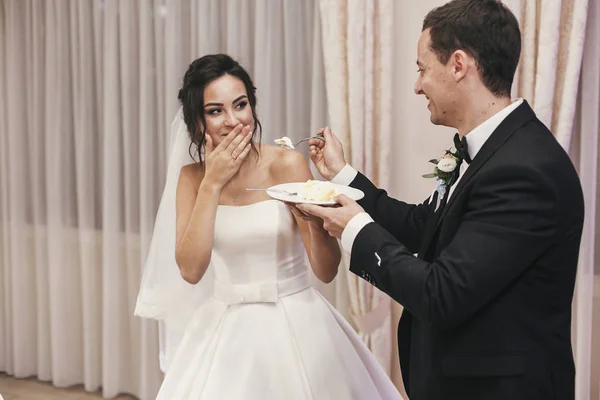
(226, 272)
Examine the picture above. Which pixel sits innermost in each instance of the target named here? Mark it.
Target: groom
(487, 302)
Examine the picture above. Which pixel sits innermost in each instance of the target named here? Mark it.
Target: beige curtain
(548, 75)
(585, 151)
(87, 92)
(357, 37)
(564, 93)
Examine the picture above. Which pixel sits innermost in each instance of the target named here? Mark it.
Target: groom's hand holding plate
(335, 219)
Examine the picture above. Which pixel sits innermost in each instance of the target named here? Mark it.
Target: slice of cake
(314, 190)
(284, 142)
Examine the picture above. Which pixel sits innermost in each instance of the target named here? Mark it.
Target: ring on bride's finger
(234, 157)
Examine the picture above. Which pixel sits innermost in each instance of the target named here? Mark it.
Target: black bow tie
(462, 147)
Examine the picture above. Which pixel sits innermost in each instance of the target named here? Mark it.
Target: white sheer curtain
(87, 93)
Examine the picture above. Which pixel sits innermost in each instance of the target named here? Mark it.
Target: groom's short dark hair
(485, 29)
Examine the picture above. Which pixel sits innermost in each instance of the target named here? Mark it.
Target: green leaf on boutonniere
(444, 175)
(432, 175)
(452, 178)
(434, 161)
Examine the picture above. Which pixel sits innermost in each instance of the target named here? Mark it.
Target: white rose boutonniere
(447, 164)
(445, 171)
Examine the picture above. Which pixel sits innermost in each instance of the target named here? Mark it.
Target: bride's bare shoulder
(191, 174)
(286, 165)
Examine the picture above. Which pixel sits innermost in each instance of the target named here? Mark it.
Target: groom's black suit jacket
(487, 302)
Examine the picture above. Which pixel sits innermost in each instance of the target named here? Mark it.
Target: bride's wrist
(210, 187)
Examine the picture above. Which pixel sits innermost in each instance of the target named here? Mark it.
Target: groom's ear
(460, 64)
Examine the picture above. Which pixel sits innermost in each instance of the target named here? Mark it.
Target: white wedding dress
(266, 334)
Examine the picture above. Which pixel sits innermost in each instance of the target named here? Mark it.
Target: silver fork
(318, 136)
(286, 192)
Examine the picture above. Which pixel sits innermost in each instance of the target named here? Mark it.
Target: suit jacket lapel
(519, 117)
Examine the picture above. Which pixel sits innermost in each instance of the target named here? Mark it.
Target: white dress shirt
(475, 140)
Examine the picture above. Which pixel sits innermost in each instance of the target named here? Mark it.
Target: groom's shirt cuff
(355, 225)
(345, 176)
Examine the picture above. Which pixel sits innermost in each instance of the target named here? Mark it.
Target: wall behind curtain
(87, 92)
(414, 139)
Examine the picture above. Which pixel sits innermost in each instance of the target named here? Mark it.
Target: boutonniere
(445, 171)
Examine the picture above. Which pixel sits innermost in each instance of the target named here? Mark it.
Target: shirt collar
(478, 136)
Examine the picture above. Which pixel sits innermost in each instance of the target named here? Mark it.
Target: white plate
(295, 187)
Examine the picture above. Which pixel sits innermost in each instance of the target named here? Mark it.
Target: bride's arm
(197, 205)
(322, 249)
(196, 212)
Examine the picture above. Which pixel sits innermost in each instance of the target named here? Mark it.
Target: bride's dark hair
(200, 73)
